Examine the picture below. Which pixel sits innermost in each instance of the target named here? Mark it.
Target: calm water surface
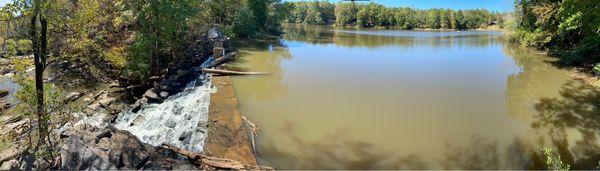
(368, 99)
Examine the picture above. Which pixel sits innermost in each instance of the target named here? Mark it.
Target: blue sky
(4, 2)
(494, 5)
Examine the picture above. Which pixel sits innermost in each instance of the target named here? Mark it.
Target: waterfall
(181, 120)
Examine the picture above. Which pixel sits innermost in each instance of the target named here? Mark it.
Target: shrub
(138, 57)
(11, 47)
(597, 69)
(24, 46)
(553, 161)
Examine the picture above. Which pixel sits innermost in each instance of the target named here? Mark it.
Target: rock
(10, 165)
(110, 118)
(114, 84)
(11, 119)
(77, 155)
(87, 99)
(137, 120)
(183, 73)
(152, 96)
(74, 96)
(13, 127)
(105, 102)
(4, 105)
(94, 106)
(10, 153)
(110, 149)
(214, 33)
(3, 93)
(164, 95)
(4, 71)
(136, 106)
(185, 136)
(171, 123)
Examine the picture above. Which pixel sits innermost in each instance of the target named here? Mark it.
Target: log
(252, 125)
(228, 72)
(254, 130)
(221, 59)
(215, 162)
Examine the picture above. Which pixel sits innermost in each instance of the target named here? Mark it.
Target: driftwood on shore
(254, 130)
(229, 72)
(214, 162)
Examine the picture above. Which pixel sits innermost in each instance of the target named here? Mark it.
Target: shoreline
(401, 29)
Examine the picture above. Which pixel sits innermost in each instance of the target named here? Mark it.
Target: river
(386, 99)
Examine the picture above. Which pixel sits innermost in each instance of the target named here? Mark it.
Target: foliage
(137, 61)
(24, 46)
(56, 113)
(377, 15)
(243, 24)
(346, 14)
(597, 69)
(11, 47)
(262, 17)
(572, 25)
(553, 161)
(162, 31)
(311, 12)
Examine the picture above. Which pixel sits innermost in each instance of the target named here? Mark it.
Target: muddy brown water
(385, 99)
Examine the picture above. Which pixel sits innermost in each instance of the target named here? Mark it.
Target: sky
(494, 5)
(4, 2)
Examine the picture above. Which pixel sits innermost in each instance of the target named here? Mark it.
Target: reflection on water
(380, 99)
(373, 39)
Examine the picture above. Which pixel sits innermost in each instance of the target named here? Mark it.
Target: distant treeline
(376, 15)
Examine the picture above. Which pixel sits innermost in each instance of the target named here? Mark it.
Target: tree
(345, 13)
(162, 28)
(244, 24)
(39, 41)
(260, 12)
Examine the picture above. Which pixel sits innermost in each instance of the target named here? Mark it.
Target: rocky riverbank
(83, 146)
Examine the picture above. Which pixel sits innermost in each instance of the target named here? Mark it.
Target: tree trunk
(39, 56)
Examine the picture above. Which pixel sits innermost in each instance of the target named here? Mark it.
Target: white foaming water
(181, 120)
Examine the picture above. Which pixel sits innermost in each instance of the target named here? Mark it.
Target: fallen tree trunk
(254, 130)
(214, 162)
(228, 72)
(221, 59)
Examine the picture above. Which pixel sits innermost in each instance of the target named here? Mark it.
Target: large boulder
(88, 148)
